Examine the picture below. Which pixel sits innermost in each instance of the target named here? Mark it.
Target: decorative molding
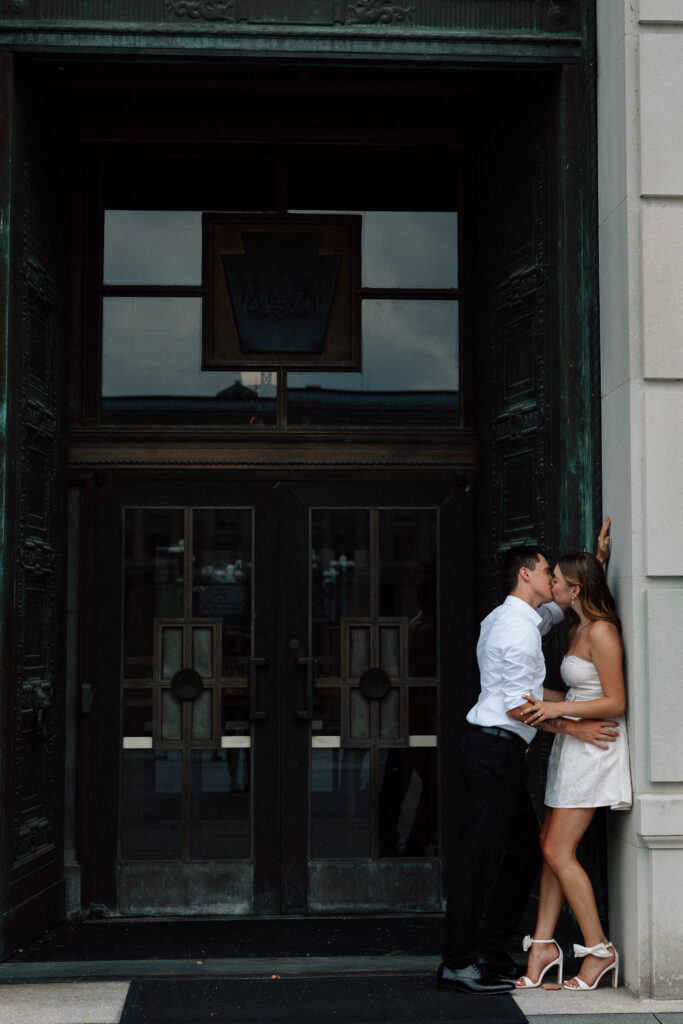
(37, 557)
(379, 12)
(502, 22)
(39, 419)
(519, 287)
(229, 11)
(558, 14)
(513, 424)
(35, 837)
(37, 278)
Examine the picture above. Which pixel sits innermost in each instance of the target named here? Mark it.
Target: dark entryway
(457, 420)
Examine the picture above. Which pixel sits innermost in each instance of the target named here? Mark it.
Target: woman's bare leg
(565, 830)
(551, 898)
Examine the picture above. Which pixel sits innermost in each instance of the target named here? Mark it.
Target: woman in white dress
(581, 776)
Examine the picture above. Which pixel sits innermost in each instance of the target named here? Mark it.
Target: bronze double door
(274, 660)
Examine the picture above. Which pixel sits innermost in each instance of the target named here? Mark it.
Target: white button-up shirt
(511, 662)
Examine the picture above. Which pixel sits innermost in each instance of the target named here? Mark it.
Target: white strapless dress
(579, 773)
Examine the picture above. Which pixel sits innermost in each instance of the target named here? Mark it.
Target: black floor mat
(349, 1000)
(241, 937)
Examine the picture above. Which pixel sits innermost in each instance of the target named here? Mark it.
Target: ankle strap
(600, 950)
(528, 942)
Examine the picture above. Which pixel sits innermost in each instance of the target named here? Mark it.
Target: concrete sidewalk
(28, 997)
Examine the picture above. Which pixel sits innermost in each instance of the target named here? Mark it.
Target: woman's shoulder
(603, 627)
(603, 634)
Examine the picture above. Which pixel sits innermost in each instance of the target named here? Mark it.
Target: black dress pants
(495, 853)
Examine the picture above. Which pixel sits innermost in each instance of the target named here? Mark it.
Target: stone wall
(640, 166)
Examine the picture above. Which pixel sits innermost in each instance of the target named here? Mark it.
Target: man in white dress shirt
(496, 853)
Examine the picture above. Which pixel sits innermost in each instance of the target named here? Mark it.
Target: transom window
(411, 297)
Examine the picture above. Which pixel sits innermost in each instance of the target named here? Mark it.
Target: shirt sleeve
(519, 667)
(551, 614)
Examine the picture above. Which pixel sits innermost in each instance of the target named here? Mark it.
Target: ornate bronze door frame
(33, 623)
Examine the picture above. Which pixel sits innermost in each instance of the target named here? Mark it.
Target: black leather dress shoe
(471, 979)
(500, 966)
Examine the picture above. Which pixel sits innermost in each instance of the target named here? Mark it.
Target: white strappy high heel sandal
(602, 949)
(526, 982)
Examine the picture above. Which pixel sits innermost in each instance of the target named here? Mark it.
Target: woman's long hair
(585, 571)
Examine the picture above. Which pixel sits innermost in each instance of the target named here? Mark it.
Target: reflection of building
(465, 136)
(311, 405)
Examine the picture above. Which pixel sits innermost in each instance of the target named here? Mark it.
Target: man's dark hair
(514, 560)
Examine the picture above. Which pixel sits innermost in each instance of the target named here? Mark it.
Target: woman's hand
(604, 541)
(535, 711)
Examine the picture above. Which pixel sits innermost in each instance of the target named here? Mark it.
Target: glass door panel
(186, 771)
(374, 724)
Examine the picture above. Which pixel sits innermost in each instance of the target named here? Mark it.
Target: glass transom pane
(152, 247)
(410, 250)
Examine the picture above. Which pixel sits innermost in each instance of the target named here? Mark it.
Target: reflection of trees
(340, 589)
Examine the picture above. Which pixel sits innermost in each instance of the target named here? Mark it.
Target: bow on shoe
(599, 950)
(527, 943)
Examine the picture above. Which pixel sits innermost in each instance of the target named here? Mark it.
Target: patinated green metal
(6, 92)
(202, 23)
(548, 17)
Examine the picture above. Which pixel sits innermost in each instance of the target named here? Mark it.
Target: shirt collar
(516, 604)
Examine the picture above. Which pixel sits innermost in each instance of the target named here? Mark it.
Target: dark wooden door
(270, 657)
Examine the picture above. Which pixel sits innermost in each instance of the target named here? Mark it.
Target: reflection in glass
(422, 711)
(410, 368)
(151, 368)
(340, 578)
(171, 651)
(221, 586)
(340, 803)
(407, 539)
(150, 804)
(408, 802)
(153, 247)
(410, 250)
(202, 714)
(235, 713)
(153, 582)
(202, 651)
(220, 827)
(390, 715)
(327, 711)
(390, 650)
(137, 712)
(171, 716)
(360, 651)
(359, 715)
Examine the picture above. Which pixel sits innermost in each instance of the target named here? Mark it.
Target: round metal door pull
(374, 683)
(187, 684)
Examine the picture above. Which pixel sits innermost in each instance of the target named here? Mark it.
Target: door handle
(306, 713)
(255, 714)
